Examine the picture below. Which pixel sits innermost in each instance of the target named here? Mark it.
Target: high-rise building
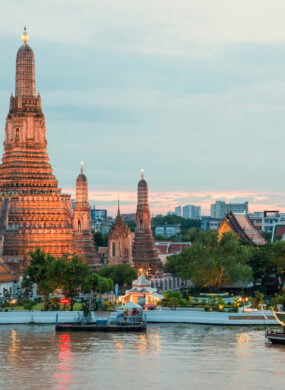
(145, 256)
(219, 209)
(178, 211)
(98, 215)
(191, 212)
(33, 211)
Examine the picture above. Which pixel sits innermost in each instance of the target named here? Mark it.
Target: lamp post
(243, 301)
(100, 301)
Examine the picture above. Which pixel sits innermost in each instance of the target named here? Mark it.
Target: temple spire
(142, 172)
(25, 69)
(118, 206)
(25, 36)
(81, 166)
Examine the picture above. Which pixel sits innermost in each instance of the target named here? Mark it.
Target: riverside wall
(152, 316)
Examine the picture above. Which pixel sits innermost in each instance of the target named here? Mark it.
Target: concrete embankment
(213, 318)
(153, 316)
(38, 317)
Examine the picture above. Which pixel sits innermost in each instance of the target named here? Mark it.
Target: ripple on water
(166, 357)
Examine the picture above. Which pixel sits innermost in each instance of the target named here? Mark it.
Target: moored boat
(130, 319)
(277, 336)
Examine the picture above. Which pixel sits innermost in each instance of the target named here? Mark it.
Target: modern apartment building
(178, 211)
(221, 208)
(191, 212)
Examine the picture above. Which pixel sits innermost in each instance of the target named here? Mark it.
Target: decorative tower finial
(81, 166)
(118, 204)
(142, 172)
(25, 36)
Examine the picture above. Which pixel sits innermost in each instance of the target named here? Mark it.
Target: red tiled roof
(166, 248)
(278, 232)
(5, 274)
(163, 249)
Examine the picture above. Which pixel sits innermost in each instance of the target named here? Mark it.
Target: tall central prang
(33, 211)
(145, 256)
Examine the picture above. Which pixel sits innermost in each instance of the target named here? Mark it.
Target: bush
(28, 306)
(107, 305)
(53, 304)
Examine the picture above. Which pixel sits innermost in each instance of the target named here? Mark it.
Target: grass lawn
(39, 306)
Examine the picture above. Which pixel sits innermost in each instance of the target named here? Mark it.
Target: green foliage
(70, 274)
(185, 225)
(53, 304)
(257, 300)
(211, 262)
(28, 306)
(39, 271)
(173, 299)
(100, 239)
(268, 265)
(131, 225)
(278, 300)
(235, 305)
(121, 274)
(107, 305)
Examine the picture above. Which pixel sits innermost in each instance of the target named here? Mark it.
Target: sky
(191, 91)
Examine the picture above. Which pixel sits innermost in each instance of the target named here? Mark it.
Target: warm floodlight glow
(25, 36)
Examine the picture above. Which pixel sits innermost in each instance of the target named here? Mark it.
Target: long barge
(93, 327)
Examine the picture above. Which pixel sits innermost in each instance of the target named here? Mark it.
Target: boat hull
(275, 337)
(100, 328)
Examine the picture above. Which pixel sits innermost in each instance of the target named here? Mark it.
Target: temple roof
(141, 281)
(5, 274)
(243, 227)
(120, 228)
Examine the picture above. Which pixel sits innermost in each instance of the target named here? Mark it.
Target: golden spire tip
(25, 36)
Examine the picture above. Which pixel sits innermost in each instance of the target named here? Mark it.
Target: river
(166, 357)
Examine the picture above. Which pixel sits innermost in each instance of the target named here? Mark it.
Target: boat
(130, 318)
(277, 336)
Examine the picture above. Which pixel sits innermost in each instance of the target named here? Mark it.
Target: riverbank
(152, 316)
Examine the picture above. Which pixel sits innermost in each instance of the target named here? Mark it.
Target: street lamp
(243, 301)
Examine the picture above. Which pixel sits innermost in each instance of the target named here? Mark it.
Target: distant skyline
(193, 92)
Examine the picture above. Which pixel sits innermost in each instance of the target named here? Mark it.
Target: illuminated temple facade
(120, 242)
(144, 253)
(33, 211)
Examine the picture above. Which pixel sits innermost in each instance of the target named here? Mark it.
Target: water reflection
(165, 357)
(242, 338)
(63, 371)
(13, 347)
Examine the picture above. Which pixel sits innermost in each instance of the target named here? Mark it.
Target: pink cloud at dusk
(162, 202)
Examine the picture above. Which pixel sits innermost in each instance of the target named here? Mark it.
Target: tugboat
(277, 336)
(129, 319)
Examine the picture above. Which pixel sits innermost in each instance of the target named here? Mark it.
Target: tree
(39, 271)
(268, 265)
(131, 225)
(184, 223)
(212, 261)
(121, 274)
(100, 239)
(172, 299)
(70, 274)
(99, 283)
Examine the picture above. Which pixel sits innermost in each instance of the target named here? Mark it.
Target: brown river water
(165, 357)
